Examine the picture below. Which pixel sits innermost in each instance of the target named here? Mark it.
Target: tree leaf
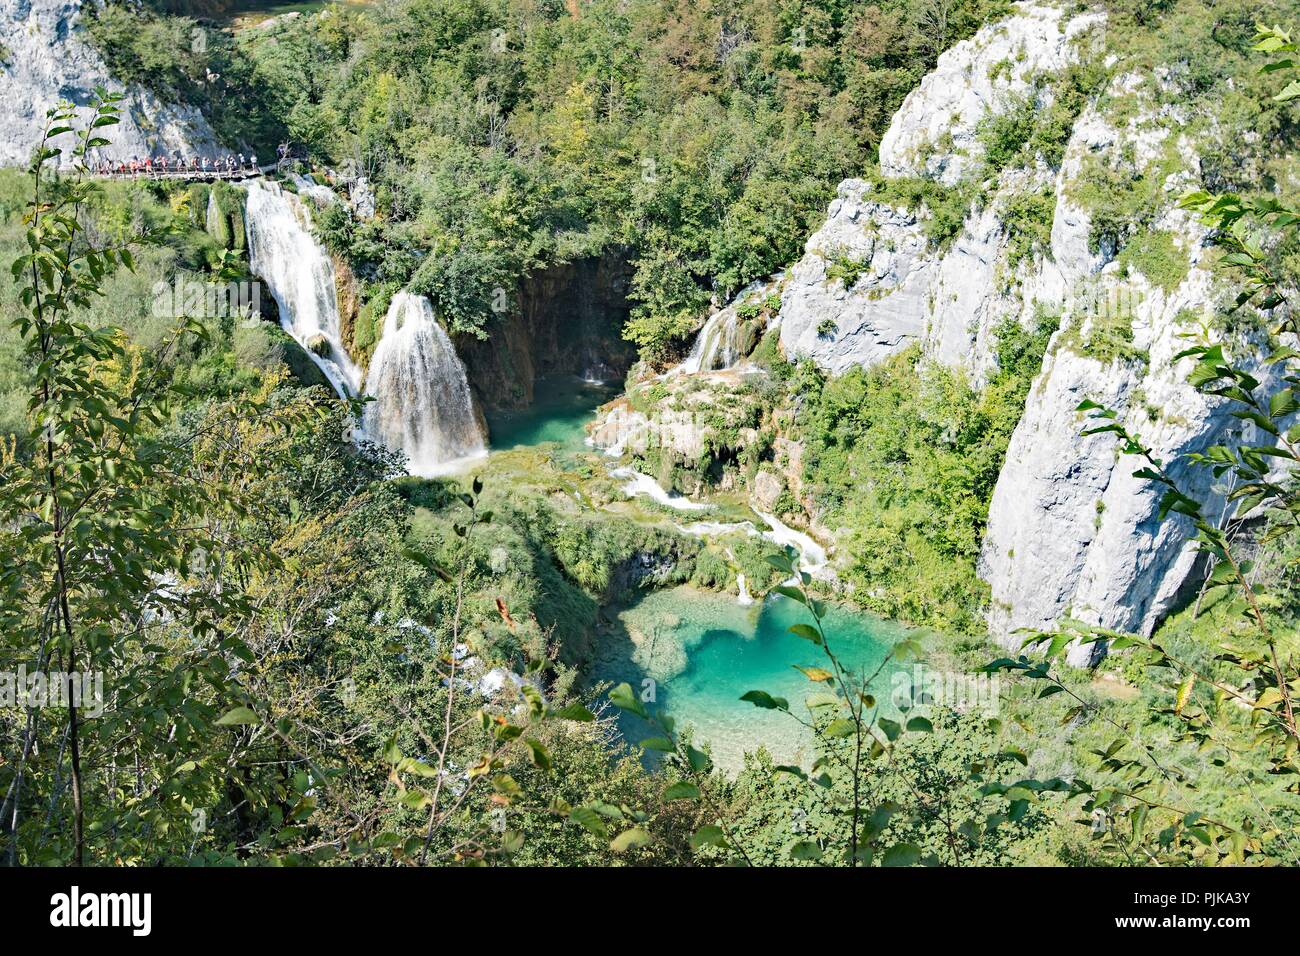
(902, 854)
(708, 835)
(682, 790)
(238, 717)
(630, 840)
(761, 698)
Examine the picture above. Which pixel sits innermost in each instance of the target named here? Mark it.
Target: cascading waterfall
(635, 483)
(812, 556)
(422, 400)
(300, 276)
(306, 186)
(716, 346)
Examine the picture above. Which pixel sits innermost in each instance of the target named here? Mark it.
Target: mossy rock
(747, 336)
(296, 359)
(319, 345)
(216, 222)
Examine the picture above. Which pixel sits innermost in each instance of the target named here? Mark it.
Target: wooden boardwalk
(186, 173)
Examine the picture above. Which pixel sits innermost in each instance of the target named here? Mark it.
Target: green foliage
(905, 457)
(1156, 256)
(573, 137)
(98, 507)
(945, 207)
(156, 52)
(846, 270)
(1029, 217)
(1005, 133)
(1105, 334)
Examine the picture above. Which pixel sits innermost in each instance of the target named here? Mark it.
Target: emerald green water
(704, 650)
(562, 407)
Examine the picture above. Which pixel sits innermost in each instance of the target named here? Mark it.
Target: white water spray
(716, 346)
(812, 556)
(283, 253)
(422, 401)
(635, 483)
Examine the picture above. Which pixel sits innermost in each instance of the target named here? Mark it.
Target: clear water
(562, 407)
(703, 651)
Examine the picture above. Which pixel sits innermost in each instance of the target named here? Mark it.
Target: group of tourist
(197, 166)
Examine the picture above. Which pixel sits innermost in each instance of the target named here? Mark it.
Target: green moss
(943, 208)
(1121, 199)
(1109, 337)
(1156, 256)
(1028, 219)
(846, 269)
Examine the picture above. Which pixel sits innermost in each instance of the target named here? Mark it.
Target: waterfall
(422, 401)
(743, 597)
(306, 186)
(716, 345)
(635, 483)
(812, 556)
(282, 252)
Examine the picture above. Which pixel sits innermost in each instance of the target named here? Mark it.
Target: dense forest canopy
(700, 140)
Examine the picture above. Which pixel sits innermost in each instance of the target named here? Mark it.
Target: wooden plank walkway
(197, 175)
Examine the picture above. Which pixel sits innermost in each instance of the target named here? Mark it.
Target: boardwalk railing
(211, 174)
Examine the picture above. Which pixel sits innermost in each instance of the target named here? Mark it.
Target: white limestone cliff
(933, 133)
(47, 61)
(901, 288)
(1071, 532)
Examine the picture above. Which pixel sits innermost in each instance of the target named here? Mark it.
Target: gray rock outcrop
(872, 281)
(46, 60)
(1071, 532)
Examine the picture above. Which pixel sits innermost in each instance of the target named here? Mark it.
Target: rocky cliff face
(1078, 227)
(44, 60)
(933, 135)
(874, 279)
(567, 323)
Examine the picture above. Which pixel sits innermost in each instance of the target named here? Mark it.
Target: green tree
(108, 535)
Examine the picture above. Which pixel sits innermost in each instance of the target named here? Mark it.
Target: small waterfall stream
(422, 399)
(300, 276)
(716, 345)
